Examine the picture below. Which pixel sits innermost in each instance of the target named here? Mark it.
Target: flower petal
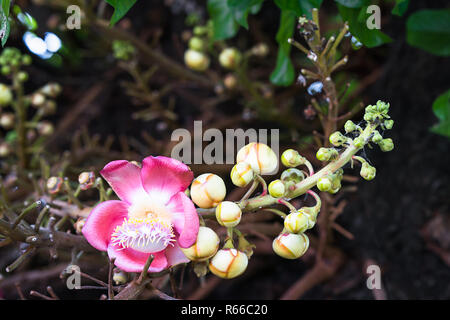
(184, 218)
(125, 179)
(101, 222)
(130, 260)
(163, 177)
(175, 255)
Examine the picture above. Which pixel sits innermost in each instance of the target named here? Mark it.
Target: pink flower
(153, 215)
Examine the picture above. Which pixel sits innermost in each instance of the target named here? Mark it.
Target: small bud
(376, 137)
(290, 245)
(208, 190)
(86, 180)
(49, 107)
(386, 145)
(260, 50)
(337, 139)
(7, 120)
(51, 90)
(26, 60)
(230, 81)
(368, 172)
(297, 222)
(259, 156)
(4, 150)
(358, 142)
(79, 225)
(324, 184)
(119, 277)
(200, 30)
(54, 184)
(327, 154)
(6, 70)
(228, 214)
(196, 60)
(5, 95)
(37, 99)
(228, 263)
(277, 188)
(242, 174)
(22, 76)
(388, 124)
(197, 44)
(292, 174)
(205, 247)
(230, 58)
(45, 128)
(291, 158)
(349, 126)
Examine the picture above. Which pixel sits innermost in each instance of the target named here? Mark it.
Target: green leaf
(430, 30)
(441, 108)
(242, 9)
(400, 7)
(283, 75)
(4, 21)
(121, 7)
(352, 3)
(224, 25)
(300, 7)
(357, 19)
(27, 20)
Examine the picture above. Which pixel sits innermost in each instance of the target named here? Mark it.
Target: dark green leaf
(357, 19)
(441, 108)
(4, 21)
(6, 4)
(300, 7)
(400, 7)
(121, 7)
(224, 24)
(430, 30)
(352, 3)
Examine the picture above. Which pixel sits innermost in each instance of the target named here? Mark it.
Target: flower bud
(51, 90)
(208, 190)
(292, 174)
(6, 70)
(337, 139)
(324, 184)
(230, 81)
(86, 180)
(4, 149)
(228, 214)
(54, 184)
(230, 58)
(277, 188)
(241, 174)
(358, 142)
(290, 245)
(119, 277)
(37, 99)
(205, 247)
(376, 137)
(327, 154)
(196, 60)
(7, 120)
(26, 60)
(259, 156)
(296, 222)
(79, 224)
(5, 95)
(22, 76)
(349, 126)
(388, 124)
(45, 128)
(291, 158)
(197, 44)
(260, 50)
(368, 172)
(228, 263)
(386, 145)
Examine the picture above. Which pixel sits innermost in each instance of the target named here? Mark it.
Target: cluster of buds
(196, 57)
(331, 182)
(123, 50)
(11, 60)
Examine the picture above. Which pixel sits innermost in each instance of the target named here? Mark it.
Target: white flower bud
(228, 214)
(228, 263)
(290, 245)
(277, 188)
(205, 247)
(196, 60)
(37, 99)
(242, 174)
(208, 190)
(260, 157)
(4, 150)
(230, 58)
(296, 222)
(7, 120)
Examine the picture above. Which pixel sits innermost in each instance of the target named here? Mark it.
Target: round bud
(51, 89)
(291, 158)
(376, 137)
(230, 81)
(368, 172)
(4, 149)
(208, 190)
(228, 214)
(290, 245)
(277, 188)
(261, 50)
(6, 70)
(205, 247)
(337, 139)
(79, 224)
(119, 277)
(26, 60)
(196, 60)
(228, 263)
(358, 142)
(45, 128)
(230, 58)
(86, 180)
(349, 126)
(197, 44)
(296, 222)
(7, 120)
(54, 184)
(259, 156)
(327, 154)
(22, 76)
(5, 95)
(241, 174)
(292, 174)
(386, 145)
(388, 124)
(324, 184)
(37, 99)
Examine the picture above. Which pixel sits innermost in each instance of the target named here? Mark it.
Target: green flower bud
(196, 60)
(292, 175)
(386, 145)
(337, 139)
(200, 30)
(230, 58)
(376, 137)
(358, 142)
(327, 154)
(291, 158)
(197, 44)
(5, 95)
(368, 172)
(26, 60)
(349, 126)
(6, 70)
(297, 222)
(22, 76)
(277, 188)
(324, 184)
(388, 124)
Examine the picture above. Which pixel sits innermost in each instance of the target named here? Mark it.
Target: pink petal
(125, 179)
(101, 222)
(175, 255)
(163, 177)
(130, 260)
(184, 218)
